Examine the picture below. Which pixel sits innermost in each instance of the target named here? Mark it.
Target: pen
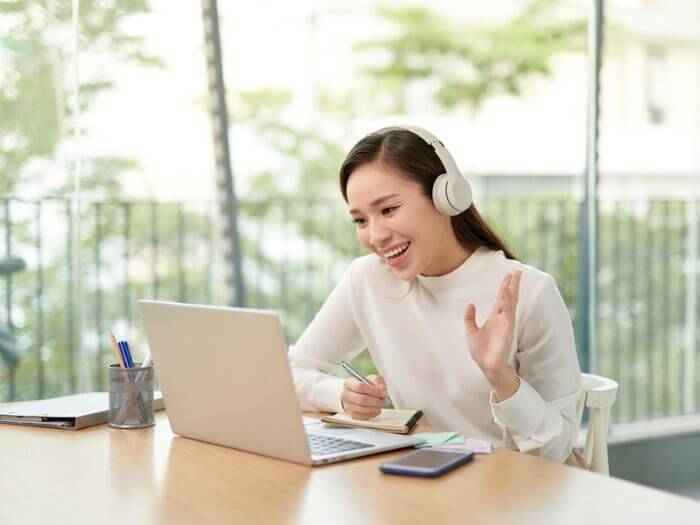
(148, 361)
(354, 373)
(127, 355)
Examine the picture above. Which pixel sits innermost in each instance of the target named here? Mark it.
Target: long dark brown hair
(411, 156)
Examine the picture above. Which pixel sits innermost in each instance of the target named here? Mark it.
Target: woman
(455, 325)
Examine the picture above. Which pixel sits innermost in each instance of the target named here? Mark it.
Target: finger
(360, 412)
(507, 299)
(364, 401)
(470, 319)
(377, 380)
(501, 291)
(359, 387)
(515, 285)
(512, 294)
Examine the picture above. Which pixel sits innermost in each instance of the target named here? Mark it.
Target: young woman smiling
(455, 325)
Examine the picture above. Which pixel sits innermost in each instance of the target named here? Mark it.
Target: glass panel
(650, 138)
(37, 158)
(150, 228)
(147, 225)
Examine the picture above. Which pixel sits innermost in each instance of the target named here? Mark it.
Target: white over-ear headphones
(452, 194)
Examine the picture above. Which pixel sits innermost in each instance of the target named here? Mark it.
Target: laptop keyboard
(321, 444)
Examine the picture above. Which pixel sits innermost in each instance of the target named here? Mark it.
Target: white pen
(354, 373)
(148, 361)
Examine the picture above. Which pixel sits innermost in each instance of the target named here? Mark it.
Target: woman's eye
(389, 210)
(358, 221)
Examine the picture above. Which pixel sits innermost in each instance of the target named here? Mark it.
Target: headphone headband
(451, 192)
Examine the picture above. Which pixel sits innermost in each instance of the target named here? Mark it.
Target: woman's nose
(378, 235)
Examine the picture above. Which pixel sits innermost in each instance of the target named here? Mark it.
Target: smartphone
(426, 462)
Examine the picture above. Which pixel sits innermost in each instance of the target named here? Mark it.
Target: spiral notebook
(399, 421)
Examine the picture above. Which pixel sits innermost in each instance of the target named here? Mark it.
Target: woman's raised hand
(490, 344)
(363, 401)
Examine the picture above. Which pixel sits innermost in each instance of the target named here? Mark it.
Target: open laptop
(226, 380)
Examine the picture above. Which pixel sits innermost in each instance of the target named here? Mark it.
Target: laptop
(226, 380)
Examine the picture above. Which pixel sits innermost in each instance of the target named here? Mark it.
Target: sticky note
(436, 438)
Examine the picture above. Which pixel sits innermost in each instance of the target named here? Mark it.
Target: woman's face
(395, 220)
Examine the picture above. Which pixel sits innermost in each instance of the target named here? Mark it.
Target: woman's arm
(540, 417)
(332, 336)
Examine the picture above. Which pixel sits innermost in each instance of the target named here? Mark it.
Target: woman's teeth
(397, 252)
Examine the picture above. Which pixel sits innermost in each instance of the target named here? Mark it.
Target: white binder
(69, 412)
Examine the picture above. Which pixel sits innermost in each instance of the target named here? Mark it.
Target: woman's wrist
(504, 381)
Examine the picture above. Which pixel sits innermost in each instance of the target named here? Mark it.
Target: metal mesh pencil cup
(131, 397)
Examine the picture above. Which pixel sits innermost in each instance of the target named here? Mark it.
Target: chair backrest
(599, 394)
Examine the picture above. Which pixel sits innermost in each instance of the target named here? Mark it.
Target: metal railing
(293, 253)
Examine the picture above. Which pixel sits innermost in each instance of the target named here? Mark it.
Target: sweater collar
(465, 272)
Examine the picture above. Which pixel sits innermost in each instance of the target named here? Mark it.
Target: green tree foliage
(466, 63)
(36, 60)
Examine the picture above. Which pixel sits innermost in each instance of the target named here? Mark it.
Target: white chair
(599, 394)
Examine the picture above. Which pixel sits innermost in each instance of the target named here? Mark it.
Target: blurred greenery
(36, 107)
(301, 210)
(36, 123)
(466, 64)
(168, 251)
(9, 353)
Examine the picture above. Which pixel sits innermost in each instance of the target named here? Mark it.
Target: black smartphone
(426, 462)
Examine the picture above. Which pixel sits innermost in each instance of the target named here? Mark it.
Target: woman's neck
(448, 260)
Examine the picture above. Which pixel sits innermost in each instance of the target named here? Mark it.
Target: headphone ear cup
(451, 197)
(459, 193)
(440, 195)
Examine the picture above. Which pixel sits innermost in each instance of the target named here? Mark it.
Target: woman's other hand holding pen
(363, 401)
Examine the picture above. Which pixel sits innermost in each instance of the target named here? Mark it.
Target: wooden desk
(103, 475)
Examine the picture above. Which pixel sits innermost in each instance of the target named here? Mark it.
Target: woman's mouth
(397, 256)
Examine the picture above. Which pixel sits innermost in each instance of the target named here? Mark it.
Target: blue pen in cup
(357, 375)
(128, 360)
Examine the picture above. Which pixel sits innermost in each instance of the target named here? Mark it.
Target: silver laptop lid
(225, 377)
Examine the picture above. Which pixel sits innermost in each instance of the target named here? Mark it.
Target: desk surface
(105, 475)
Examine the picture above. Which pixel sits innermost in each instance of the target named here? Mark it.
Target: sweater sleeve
(331, 337)
(540, 418)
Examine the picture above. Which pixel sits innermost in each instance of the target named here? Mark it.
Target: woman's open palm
(490, 344)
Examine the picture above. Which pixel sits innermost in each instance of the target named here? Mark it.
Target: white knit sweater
(415, 335)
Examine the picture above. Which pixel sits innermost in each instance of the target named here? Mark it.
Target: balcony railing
(295, 250)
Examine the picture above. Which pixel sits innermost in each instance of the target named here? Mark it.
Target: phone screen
(426, 458)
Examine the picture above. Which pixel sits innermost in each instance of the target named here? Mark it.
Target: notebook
(400, 421)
